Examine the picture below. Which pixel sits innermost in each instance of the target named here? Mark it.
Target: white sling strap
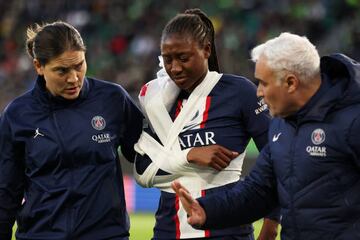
(156, 110)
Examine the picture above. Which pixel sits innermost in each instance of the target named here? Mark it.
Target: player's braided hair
(195, 23)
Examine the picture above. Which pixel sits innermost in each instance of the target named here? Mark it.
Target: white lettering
(261, 109)
(191, 140)
(198, 139)
(101, 138)
(209, 137)
(182, 143)
(261, 102)
(188, 139)
(316, 151)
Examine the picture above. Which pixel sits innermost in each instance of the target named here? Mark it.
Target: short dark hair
(47, 41)
(196, 24)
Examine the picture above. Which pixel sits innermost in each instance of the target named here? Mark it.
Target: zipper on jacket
(64, 154)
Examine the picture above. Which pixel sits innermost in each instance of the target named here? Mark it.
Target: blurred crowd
(122, 36)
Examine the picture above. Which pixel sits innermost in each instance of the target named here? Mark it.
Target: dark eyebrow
(67, 67)
(60, 68)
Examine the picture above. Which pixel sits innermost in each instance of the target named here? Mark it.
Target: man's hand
(215, 156)
(196, 214)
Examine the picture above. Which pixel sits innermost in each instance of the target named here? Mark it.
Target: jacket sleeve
(131, 128)
(261, 141)
(11, 179)
(247, 201)
(257, 123)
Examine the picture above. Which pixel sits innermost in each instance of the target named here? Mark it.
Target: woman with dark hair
(200, 122)
(60, 175)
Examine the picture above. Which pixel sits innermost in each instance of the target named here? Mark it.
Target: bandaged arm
(156, 166)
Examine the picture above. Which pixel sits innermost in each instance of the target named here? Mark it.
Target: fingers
(196, 215)
(229, 154)
(222, 158)
(184, 196)
(216, 166)
(214, 156)
(175, 185)
(192, 207)
(235, 154)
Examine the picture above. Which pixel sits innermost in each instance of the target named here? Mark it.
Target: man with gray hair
(311, 165)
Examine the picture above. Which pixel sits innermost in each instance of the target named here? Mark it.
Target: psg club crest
(98, 122)
(318, 136)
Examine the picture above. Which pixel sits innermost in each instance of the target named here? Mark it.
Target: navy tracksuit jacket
(60, 158)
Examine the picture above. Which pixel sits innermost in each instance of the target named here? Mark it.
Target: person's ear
(39, 69)
(207, 50)
(292, 83)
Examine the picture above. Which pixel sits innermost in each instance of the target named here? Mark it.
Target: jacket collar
(340, 87)
(56, 102)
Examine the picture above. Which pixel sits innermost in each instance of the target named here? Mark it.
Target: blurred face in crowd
(277, 93)
(64, 75)
(184, 60)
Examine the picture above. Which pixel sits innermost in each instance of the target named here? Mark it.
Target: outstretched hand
(196, 214)
(214, 156)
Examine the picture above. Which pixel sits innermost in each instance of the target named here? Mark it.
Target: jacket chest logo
(276, 137)
(98, 123)
(38, 133)
(317, 138)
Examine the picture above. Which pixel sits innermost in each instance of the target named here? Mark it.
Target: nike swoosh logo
(276, 137)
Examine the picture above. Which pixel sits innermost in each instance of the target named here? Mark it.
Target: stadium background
(122, 37)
